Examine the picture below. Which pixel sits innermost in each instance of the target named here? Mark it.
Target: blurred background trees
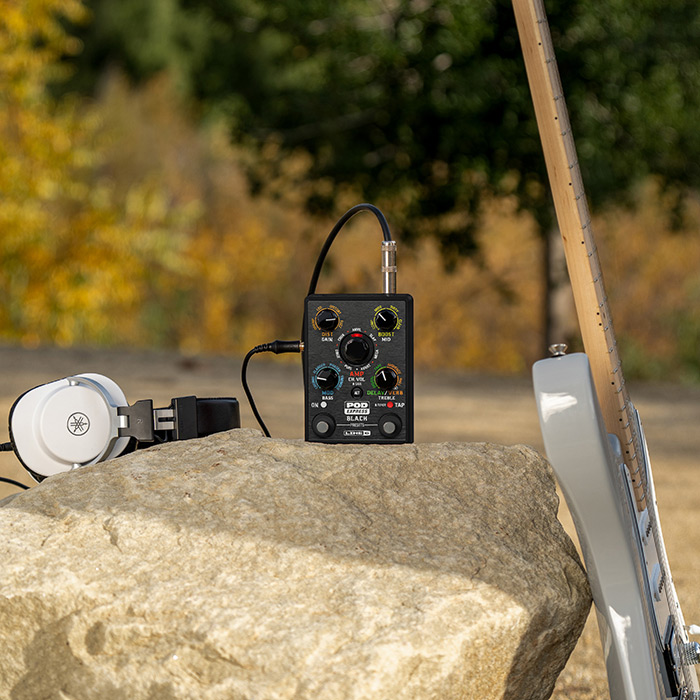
(208, 146)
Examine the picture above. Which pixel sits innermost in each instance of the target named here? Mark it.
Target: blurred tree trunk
(559, 322)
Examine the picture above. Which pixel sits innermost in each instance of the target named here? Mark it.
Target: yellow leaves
(31, 20)
(68, 245)
(31, 40)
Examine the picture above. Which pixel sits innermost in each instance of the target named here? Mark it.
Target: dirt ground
(449, 406)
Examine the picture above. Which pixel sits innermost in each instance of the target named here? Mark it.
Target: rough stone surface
(240, 567)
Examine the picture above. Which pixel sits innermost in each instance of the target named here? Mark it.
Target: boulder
(241, 567)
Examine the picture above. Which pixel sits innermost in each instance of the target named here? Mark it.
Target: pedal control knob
(356, 348)
(327, 320)
(386, 378)
(386, 320)
(327, 379)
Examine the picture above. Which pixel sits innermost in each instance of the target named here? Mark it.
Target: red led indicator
(390, 404)
(356, 335)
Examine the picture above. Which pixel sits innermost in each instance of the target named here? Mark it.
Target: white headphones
(84, 419)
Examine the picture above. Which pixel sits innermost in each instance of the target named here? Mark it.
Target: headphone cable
(5, 480)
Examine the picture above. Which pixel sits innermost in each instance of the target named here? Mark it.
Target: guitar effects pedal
(358, 368)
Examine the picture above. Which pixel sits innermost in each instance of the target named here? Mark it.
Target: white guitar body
(646, 657)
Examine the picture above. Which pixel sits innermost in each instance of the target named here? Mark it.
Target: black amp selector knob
(327, 320)
(386, 320)
(386, 378)
(327, 378)
(356, 348)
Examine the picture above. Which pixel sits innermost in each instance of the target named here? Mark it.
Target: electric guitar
(593, 436)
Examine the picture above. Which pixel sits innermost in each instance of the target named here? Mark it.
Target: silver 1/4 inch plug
(389, 267)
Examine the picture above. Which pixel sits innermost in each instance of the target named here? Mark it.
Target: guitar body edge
(592, 479)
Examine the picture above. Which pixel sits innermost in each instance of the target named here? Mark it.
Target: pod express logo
(356, 408)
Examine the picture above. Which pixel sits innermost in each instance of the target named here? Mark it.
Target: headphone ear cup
(66, 424)
(116, 397)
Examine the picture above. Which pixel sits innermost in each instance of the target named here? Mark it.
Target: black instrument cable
(336, 229)
(5, 480)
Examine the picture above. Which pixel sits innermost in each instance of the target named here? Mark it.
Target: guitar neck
(574, 221)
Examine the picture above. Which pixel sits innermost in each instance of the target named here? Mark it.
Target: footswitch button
(323, 425)
(390, 425)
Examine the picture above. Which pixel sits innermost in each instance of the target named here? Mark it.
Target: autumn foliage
(75, 254)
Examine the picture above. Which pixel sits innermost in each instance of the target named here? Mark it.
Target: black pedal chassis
(358, 368)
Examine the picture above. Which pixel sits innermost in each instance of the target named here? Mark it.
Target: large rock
(241, 567)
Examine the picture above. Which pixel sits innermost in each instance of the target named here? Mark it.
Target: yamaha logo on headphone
(78, 423)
